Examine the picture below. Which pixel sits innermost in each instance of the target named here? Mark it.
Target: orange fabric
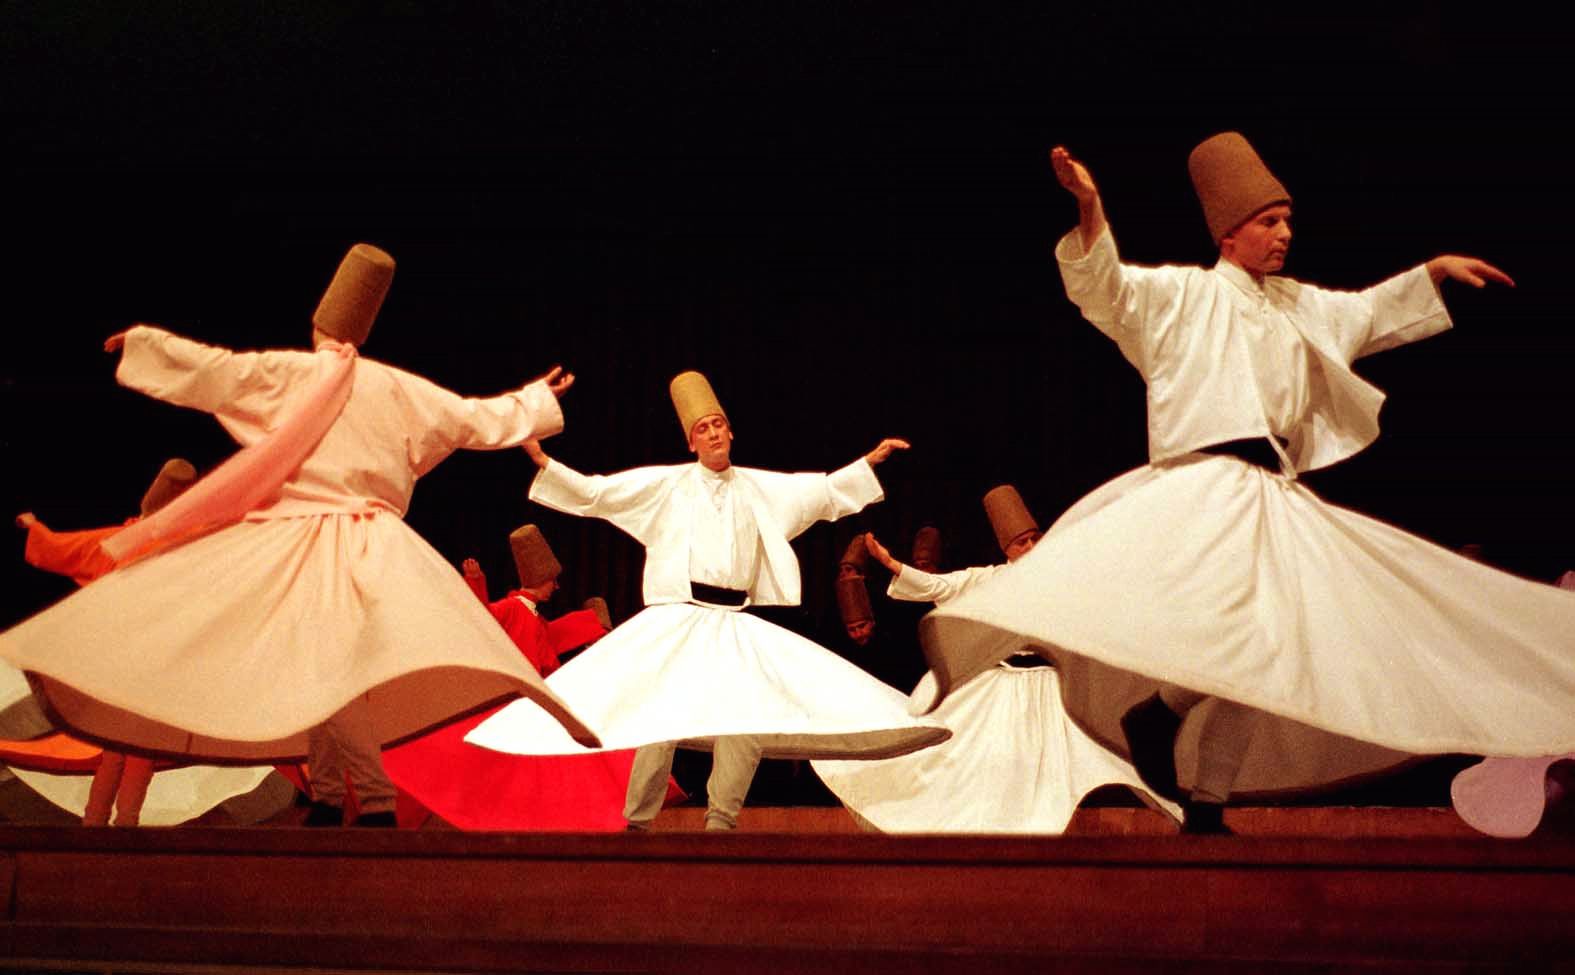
(75, 554)
(52, 753)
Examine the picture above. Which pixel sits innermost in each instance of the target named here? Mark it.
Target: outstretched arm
(1469, 270)
(1075, 178)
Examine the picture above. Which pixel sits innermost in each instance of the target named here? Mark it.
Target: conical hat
(174, 477)
(350, 304)
(927, 548)
(857, 554)
(693, 400)
(1232, 182)
(533, 556)
(1008, 515)
(853, 601)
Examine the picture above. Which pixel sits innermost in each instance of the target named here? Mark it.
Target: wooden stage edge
(1302, 890)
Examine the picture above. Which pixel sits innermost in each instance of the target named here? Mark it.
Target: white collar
(1243, 281)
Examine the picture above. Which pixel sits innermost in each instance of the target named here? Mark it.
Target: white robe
(234, 644)
(1210, 573)
(1016, 763)
(681, 672)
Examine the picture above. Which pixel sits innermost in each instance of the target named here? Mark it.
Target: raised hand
(1073, 175)
(880, 553)
(558, 381)
(884, 448)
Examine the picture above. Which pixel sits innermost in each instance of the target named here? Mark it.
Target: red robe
(479, 789)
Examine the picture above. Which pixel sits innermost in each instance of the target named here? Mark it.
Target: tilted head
(1248, 211)
(1016, 531)
(704, 422)
(538, 567)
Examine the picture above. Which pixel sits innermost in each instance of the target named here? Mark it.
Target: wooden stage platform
(800, 890)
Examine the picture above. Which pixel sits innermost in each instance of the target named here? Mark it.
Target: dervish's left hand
(115, 342)
(1469, 270)
(884, 448)
(26, 520)
(558, 381)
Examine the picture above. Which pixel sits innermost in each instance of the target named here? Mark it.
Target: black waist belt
(716, 595)
(1026, 661)
(1254, 450)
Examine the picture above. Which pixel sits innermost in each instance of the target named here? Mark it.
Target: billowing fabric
(479, 789)
(1507, 796)
(175, 795)
(60, 768)
(1219, 576)
(1015, 762)
(690, 674)
(1210, 573)
(235, 643)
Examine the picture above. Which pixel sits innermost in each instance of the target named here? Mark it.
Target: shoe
(1204, 819)
(634, 827)
(379, 820)
(1150, 728)
(323, 814)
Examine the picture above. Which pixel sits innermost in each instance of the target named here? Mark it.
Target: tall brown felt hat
(598, 605)
(350, 304)
(1232, 182)
(693, 400)
(927, 548)
(1008, 515)
(857, 554)
(173, 478)
(533, 556)
(853, 601)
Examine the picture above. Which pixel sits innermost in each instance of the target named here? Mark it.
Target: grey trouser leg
(346, 746)
(1222, 745)
(1222, 741)
(733, 763)
(648, 783)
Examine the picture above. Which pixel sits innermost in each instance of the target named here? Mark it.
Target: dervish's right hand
(558, 381)
(26, 520)
(1073, 175)
(881, 554)
(537, 455)
(471, 568)
(115, 342)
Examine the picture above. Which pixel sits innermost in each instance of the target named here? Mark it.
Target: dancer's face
(1259, 245)
(1021, 545)
(711, 441)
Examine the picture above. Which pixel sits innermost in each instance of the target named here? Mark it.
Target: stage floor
(795, 890)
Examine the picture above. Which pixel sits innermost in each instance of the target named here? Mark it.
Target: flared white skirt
(690, 674)
(1015, 763)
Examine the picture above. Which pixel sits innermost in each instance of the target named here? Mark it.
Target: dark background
(842, 212)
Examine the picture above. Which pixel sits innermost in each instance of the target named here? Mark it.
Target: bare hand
(884, 448)
(26, 520)
(537, 455)
(881, 554)
(1469, 270)
(1073, 175)
(472, 569)
(558, 381)
(115, 342)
